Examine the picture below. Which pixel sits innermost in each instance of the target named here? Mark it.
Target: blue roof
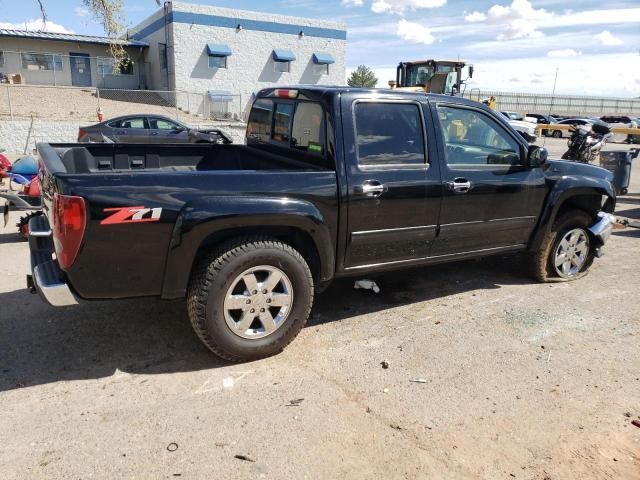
(283, 56)
(218, 50)
(70, 37)
(323, 59)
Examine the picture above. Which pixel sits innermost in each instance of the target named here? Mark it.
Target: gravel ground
(490, 376)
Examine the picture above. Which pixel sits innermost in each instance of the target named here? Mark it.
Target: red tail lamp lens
(69, 223)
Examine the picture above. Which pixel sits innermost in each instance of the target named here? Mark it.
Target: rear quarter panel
(122, 260)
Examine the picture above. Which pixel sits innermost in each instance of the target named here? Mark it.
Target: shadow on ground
(39, 344)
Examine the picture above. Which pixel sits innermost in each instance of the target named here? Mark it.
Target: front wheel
(567, 250)
(250, 298)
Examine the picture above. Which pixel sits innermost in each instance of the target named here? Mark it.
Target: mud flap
(5, 214)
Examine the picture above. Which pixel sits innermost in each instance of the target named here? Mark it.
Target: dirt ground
(491, 376)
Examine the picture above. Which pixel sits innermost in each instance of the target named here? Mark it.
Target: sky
(514, 45)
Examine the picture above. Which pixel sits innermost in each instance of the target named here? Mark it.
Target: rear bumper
(46, 277)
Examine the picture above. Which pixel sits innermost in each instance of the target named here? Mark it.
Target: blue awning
(323, 59)
(283, 56)
(220, 95)
(218, 50)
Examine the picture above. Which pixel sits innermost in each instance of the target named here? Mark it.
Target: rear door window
(133, 122)
(389, 134)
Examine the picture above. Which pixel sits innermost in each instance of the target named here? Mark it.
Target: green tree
(362, 76)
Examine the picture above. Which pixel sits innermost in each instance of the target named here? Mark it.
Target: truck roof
(333, 90)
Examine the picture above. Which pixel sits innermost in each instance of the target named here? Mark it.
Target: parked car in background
(526, 129)
(618, 121)
(513, 115)
(145, 128)
(543, 119)
(570, 121)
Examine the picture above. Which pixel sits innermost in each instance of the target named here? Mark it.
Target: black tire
(624, 191)
(557, 134)
(216, 273)
(542, 266)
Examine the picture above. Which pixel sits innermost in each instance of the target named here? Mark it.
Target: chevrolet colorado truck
(332, 182)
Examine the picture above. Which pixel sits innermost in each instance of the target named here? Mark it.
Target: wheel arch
(590, 199)
(298, 224)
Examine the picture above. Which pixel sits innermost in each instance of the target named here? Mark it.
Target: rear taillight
(69, 222)
(81, 133)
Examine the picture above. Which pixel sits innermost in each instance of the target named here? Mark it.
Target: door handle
(154, 133)
(371, 188)
(460, 185)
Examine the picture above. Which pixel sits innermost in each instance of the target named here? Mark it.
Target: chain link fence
(19, 102)
(558, 104)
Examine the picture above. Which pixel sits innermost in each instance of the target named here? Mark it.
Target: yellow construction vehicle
(432, 76)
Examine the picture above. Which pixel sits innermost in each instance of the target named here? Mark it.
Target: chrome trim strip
(389, 230)
(493, 220)
(435, 257)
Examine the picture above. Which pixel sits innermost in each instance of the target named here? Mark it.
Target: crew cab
(332, 182)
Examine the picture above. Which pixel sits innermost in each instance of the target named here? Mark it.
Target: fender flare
(205, 217)
(565, 189)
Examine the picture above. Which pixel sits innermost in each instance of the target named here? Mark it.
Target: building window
(41, 61)
(321, 69)
(321, 63)
(282, 67)
(282, 60)
(162, 53)
(217, 62)
(1, 58)
(108, 66)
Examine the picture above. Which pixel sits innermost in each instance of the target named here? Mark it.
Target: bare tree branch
(43, 14)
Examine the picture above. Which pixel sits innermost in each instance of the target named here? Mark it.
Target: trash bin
(619, 163)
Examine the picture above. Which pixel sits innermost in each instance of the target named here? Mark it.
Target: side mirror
(537, 156)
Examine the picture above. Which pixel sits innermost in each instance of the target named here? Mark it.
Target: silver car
(146, 128)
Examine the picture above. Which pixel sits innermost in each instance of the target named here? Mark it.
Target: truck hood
(561, 168)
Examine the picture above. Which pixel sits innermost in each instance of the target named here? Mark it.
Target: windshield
(419, 75)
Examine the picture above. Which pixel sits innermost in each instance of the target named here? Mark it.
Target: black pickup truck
(332, 182)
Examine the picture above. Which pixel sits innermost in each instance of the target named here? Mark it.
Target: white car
(528, 128)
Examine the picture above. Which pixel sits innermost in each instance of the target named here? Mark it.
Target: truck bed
(189, 185)
(102, 158)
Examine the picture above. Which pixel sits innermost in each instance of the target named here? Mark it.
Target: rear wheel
(250, 298)
(557, 134)
(567, 251)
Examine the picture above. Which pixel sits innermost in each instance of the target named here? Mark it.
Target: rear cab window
(297, 125)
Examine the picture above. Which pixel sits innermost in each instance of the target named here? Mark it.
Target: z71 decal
(132, 215)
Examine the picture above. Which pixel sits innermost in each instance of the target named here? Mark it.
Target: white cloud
(517, 20)
(607, 38)
(414, 32)
(37, 25)
(395, 7)
(567, 52)
(82, 12)
(399, 7)
(475, 17)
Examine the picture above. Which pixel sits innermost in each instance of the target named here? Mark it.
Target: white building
(230, 54)
(63, 59)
